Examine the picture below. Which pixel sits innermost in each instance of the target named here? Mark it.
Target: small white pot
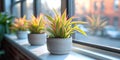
(37, 39)
(59, 45)
(22, 34)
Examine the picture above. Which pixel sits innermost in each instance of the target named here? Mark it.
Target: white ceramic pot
(37, 39)
(59, 45)
(22, 34)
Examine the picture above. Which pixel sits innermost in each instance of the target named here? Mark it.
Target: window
(16, 9)
(7, 6)
(82, 6)
(116, 5)
(48, 6)
(98, 35)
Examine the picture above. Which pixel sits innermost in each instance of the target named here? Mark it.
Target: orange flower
(20, 24)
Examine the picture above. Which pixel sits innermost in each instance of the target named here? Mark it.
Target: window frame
(70, 5)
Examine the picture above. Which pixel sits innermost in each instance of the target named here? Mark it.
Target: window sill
(41, 52)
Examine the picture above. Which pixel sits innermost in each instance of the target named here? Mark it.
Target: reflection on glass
(7, 6)
(81, 7)
(103, 35)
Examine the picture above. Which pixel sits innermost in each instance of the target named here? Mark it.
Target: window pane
(7, 6)
(16, 10)
(82, 6)
(47, 6)
(29, 8)
(102, 6)
(104, 27)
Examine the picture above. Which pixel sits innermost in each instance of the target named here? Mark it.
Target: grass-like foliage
(37, 25)
(62, 27)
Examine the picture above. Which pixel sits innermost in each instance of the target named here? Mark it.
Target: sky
(52, 3)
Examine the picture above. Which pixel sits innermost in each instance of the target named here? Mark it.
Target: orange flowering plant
(20, 24)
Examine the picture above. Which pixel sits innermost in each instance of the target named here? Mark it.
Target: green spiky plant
(95, 23)
(5, 22)
(20, 24)
(62, 27)
(37, 25)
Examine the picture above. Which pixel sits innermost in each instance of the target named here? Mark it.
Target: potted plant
(20, 25)
(37, 29)
(5, 22)
(60, 30)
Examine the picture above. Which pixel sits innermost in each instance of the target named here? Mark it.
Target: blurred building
(109, 9)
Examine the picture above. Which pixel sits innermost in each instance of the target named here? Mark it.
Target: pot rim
(36, 34)
(60, 38)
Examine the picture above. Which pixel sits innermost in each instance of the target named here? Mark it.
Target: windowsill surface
(77, 53)
(101, 41)
(41, 52)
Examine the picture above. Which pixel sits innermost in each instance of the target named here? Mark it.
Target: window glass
(29, 4)
(103, 28)
(7, 6)
(48, 6)
(82, 6)
(16, 10)
(16, 0)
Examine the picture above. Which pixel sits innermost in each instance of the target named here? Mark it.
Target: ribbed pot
(22, 34)
(59, 45)
(37, 39)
